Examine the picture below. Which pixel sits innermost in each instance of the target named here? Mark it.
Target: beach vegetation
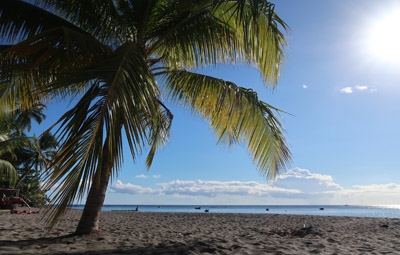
(122, 62)
(24, 155)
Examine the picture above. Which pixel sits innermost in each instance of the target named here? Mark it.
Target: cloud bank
(295, 186)
(214, 188)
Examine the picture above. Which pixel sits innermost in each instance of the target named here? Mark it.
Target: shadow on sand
(195, 247)
(38, 241)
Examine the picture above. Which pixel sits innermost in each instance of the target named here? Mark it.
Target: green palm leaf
(99, 18)
(124, 97)
(20, 20)
(235, 114)
(39, 68)
(231, 32)
(8, 172)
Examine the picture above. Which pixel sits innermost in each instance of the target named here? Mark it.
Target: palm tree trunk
(89, 221)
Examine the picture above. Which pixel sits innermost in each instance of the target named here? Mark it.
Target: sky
(340, 84)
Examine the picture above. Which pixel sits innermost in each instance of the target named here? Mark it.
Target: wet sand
(202, 233)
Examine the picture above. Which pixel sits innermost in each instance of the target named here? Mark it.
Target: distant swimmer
(267, 209)
(321, 209)
(198, 208)
(137, 208)
(206, 210)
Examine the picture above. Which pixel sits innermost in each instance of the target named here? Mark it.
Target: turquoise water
(329, 210)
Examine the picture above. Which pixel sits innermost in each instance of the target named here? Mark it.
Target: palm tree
(31, 160)
(14, 143)
(24, 117)
(35, 157)
(122, 59)
(10, 141)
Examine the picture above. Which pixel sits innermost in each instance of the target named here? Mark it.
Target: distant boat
(321, 209)
(206, 210)
(198, 208)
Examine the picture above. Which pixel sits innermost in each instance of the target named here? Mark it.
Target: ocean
(327, 210)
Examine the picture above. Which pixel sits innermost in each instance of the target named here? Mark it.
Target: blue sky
(343, 132)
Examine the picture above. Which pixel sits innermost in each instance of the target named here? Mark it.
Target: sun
(384, 37)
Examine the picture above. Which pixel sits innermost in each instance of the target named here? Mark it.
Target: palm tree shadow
(163, 248)
(196, 247)
(37, 241)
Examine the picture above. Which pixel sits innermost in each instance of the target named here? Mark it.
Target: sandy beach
(202, 233)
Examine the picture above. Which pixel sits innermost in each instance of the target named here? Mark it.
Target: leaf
(124, 97)
(8, 172)
(235, 114)
(20, 20)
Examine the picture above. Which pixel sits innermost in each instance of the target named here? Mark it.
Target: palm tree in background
(9, 142)
(35, 157)
(14, 142)
(23, 117)
(122, 60)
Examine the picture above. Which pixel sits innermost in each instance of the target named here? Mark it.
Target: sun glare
(384, 37)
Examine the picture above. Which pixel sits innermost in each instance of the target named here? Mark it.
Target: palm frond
(20, 20)
(7, 171)
(258, 36)
(235, 114)
(158, 130)
(123, 98)
(31, 71)
(198, 39)
(23, 117)
(224, 32)
(9, 142)
(99, 18)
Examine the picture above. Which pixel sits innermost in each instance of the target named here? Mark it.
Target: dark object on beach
(385, 226)
(267, 209)
(10, 199)
(321, 209)
(137, 208)
(206, 210)
(198, 208)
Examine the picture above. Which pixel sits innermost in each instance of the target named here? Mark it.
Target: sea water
(326, 210)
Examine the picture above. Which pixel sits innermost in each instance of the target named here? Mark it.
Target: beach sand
(202, 233)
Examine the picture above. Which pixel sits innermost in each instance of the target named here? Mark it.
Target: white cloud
(358, 87)
(387, 188)
(307, 182)
(156, 176)
(142, 176)
(129, 188)
(214, 188)
(296, 186)
(350, 90)
(346, 90)
(304, 86)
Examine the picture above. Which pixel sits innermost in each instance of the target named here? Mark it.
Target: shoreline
(321, 210)
(127, 232)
